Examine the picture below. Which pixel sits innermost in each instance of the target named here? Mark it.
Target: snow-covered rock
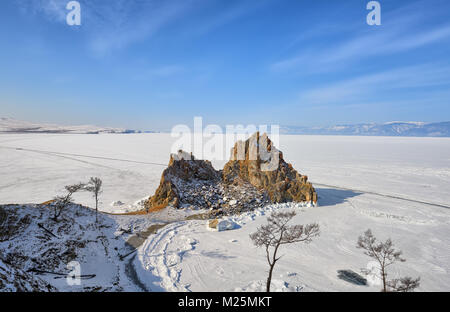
(222, 225)
(226, 225)
(194, 182)
(117, 203)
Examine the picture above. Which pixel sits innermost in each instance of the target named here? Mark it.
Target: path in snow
(157, 257)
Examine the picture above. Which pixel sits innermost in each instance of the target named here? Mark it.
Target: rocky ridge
(256, 175)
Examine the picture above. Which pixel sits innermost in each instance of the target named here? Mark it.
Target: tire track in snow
(82, 155)
(59, 155)
(384, 195)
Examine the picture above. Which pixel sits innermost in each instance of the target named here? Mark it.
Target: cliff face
(258, 162)
(256, 175)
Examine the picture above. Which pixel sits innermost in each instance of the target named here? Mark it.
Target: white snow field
(185, 256)
(357, 178)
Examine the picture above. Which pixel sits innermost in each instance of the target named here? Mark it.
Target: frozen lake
(416, 168)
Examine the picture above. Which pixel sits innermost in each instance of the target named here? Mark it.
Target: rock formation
(255, 176)
(188, 182)
(184, 171)
(258, 162)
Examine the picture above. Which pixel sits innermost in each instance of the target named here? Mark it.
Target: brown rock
(258, 162)
(213, 223)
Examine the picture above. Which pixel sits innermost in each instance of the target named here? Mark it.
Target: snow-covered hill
(13, 279)
(9, 125)
(396, 128)
(35, 251)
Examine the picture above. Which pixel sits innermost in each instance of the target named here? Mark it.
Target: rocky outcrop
(188, 182)
(258, 162)
(255, 176)
(183, 174)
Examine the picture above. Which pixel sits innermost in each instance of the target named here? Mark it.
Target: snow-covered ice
(186, 256)
(418, 168)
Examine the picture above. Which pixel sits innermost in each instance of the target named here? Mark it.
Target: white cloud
(124, 24)
(362, 88)
(110, 25)
(54, 10)
(400, 32)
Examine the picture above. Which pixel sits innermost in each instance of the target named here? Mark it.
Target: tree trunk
(96, 209)
(384, 280)
(56, 214)
(272, 265)
(269, 279)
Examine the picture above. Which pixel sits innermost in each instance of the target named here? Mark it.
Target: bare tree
(277, 233)
(385, 254)
(61, 202)
(95, 187)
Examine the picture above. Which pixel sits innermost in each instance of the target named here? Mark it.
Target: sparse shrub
(277, 233)
(61, 202)
(95, 187)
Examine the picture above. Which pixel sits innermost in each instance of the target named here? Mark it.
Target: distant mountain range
(395, 128)
(408, 129)
(9, 125)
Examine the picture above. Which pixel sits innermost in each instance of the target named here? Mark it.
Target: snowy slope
(13, 279)
(35, 250)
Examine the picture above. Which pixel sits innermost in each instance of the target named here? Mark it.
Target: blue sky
(153, 64)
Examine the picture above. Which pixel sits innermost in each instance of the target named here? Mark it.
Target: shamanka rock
(255, 176)
(258, 162)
